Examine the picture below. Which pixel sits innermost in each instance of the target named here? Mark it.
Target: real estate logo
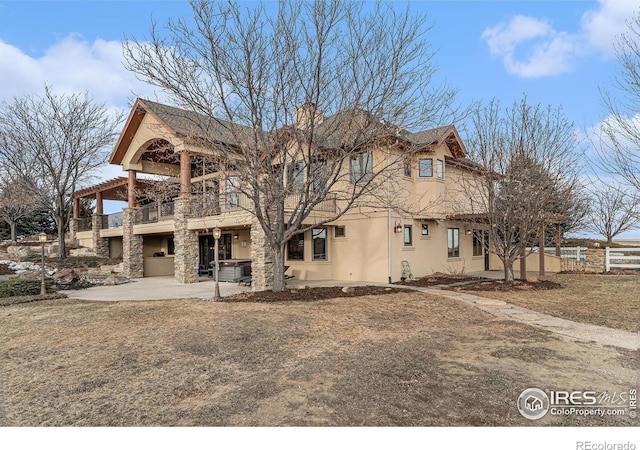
(533, 403)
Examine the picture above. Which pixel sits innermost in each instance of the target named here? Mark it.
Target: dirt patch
(437, 279)
(308, 294)
(516, 285)
(400, 359)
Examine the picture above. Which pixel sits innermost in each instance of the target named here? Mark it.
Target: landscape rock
(66, 276)
(347, 289)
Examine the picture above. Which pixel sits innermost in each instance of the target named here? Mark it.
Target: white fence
(622, 258)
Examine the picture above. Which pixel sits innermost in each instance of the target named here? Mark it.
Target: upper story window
(339, 231)
(440, 169)
(425, 229)
(425, 167)
(295, 175)
(232, 189)
(361, 167)
(407, 166)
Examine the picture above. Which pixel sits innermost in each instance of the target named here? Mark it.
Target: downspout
(389, 243)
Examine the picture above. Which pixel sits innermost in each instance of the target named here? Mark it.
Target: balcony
(154, 213)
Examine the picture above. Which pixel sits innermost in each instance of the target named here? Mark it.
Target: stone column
(132, 256)
(100, 244)
(261, 259)
(595, 260)
(73, 230)
(186, 244)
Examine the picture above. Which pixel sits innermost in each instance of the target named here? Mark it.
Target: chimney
(305, 113)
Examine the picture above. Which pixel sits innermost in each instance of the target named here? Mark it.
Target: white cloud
(531, 47)
(71, 65)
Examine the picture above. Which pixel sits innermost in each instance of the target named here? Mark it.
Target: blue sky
(556, 52)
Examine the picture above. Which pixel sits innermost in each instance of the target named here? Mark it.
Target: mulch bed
(516, 285)
(437, 279)
(30, 298)
(308, 295)
(4, 270)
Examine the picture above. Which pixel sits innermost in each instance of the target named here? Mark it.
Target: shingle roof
(350, 128)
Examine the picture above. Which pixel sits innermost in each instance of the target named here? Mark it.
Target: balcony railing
(113, 220)
(224, 203)
(85, 224)
(154, 213)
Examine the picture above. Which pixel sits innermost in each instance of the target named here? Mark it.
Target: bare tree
(527, 175)
(299, 100)
(613, 210)
(16, 202)
(620, 138)
(53, 143)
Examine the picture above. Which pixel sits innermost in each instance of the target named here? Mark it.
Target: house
(170, 232)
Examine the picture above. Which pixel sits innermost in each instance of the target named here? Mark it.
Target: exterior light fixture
(398, 227)
(42, 237)
(217, 232)
(236, 235)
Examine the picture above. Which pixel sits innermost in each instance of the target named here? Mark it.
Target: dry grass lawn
(608, 300)
(401, 359)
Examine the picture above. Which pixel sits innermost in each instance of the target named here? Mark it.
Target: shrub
(32, 257)
(13, 288)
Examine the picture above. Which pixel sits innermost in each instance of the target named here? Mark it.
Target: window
(440, 169)
(320, 176)
(425, 229)
(361, 167)
(408, 236)
(453, 242)
(425, 167)
(477, 243)
(340, 231)
(171, 247)
(295, 175)
(407, 167)
(232, 191)
(319, 238)
(295, 248)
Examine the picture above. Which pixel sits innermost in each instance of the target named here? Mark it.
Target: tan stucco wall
(85, 239)
(363, 254)
(552, 264)
(156, 267)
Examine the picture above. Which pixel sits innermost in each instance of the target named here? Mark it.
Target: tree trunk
(523, 265)
(12, 227)
(508, 270)
(62, 251)
(609, 241)
(278, 269)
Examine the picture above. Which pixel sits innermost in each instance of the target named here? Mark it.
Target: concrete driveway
(156, 288)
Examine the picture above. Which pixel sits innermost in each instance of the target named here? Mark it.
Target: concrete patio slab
(156, 288)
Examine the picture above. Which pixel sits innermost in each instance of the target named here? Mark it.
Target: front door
(206, 245)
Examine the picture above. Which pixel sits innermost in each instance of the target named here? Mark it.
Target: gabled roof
(354, 127)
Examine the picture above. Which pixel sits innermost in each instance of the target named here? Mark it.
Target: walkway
(574, 330)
